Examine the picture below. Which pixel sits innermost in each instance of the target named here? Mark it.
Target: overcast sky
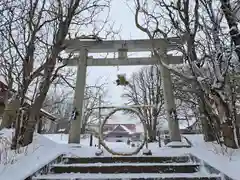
(122, 15)
(124, 18)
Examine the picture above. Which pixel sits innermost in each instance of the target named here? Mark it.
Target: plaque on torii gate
(83, 47)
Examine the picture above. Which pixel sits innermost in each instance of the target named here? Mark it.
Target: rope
(104, 122)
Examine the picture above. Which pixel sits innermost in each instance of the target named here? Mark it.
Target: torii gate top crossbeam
(75, 45)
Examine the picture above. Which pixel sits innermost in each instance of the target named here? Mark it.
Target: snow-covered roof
(124, 127)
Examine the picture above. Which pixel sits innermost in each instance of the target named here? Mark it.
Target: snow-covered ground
(224, 159)
(116, 146)
(16, 165)
(47, 147)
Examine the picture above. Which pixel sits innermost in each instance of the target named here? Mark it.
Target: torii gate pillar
(169, 102)
(76, 124)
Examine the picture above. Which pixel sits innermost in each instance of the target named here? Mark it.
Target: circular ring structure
(104, 122)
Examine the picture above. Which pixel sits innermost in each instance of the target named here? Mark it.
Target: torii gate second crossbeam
(122, 47)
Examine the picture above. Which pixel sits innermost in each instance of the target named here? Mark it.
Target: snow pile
(63, 138)
(224, 159)
(7, 156)
(177, 144)
(85, 150)
(27, 160)
(80, 151)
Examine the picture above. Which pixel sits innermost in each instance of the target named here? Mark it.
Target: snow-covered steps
(171, 166)
(138, 176)
(125, 159)
(106, 168)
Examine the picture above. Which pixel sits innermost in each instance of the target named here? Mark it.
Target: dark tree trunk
(27, 131)
(159, 139)
(208, 133)
(83, 128)
(151, 136)
(228, 135)
(29, 125)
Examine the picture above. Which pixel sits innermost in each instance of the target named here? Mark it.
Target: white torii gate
(122, 47)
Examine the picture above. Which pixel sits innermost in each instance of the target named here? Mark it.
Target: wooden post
(159, 139)
(100, 151)
(75, 130)
(91, 140)
(99, 119)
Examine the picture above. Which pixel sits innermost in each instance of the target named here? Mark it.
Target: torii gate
(84, 47)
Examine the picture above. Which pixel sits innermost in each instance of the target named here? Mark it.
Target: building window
(118, 136)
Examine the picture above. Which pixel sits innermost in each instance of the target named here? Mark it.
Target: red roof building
(121, 133)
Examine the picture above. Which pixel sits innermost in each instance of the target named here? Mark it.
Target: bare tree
(207, 52)
(145, 89)
(94, 96)
(35, 31)
(188, 96)
(60, 104)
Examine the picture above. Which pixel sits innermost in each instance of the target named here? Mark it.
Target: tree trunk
(30, 124)
(18, 128)
(83, 128)
(212, 118)
(154, 124)
(151, 135)
(228, 135)
(208, 133)
(159, 139)
(19, 119)
(233, 25)
(236, 125)
(27, 130)
(27, 134)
